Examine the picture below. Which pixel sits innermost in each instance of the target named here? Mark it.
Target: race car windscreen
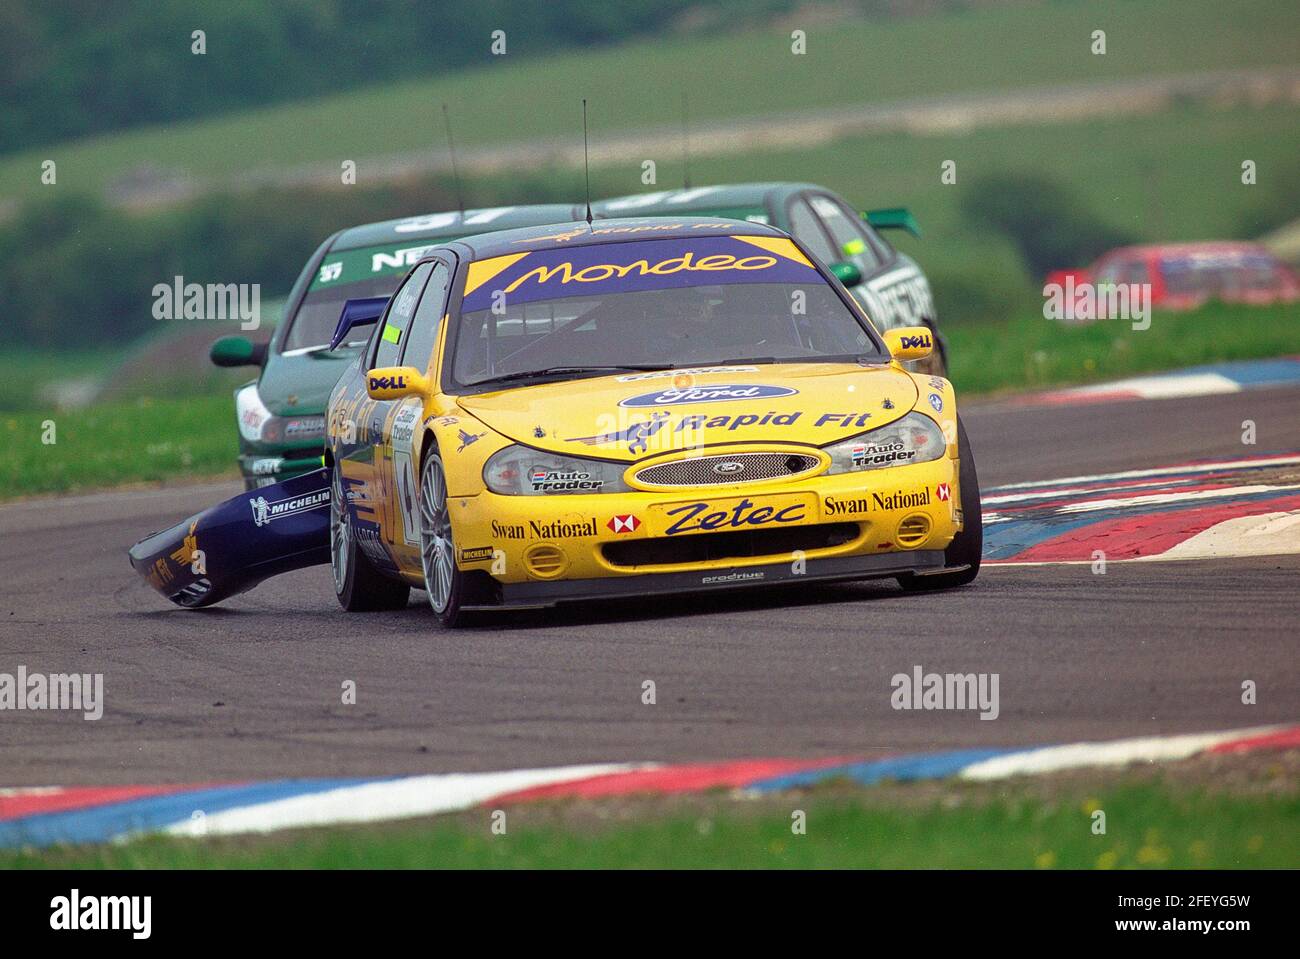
(653, 304)
(314, 323)
(348, 275)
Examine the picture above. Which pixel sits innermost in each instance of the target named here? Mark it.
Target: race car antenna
(455, 174)
(586, 163)
(686, 143)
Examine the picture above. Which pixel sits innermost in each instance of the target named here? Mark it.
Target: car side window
(428, 319)
(1135, 271)
(805, 228)
(399, 316)
(1109, 271)
(850, 236)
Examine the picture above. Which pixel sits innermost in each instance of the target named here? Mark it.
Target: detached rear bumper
(233, 546)
(540, 594)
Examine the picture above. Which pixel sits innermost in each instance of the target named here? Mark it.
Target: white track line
(393, 799)
(1120, 753)
(1160, 499)
(1081, 490)
(1158, 387)
(1162, 471)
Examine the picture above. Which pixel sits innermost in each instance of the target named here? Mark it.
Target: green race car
(890, 285)
(281, 414)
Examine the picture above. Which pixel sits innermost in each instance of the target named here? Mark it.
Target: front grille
(744, 544)
(729, 469)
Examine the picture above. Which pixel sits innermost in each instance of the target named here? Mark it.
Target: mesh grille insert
(744, 544)
(735, 468)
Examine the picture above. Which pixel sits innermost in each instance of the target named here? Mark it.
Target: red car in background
(1185, 275)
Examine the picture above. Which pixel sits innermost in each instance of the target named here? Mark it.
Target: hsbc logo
(942, 491)
(623, 524)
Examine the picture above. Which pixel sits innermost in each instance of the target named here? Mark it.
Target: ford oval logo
(706, 394)
(731, 466)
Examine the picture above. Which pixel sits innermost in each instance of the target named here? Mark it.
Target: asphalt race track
(251, 690)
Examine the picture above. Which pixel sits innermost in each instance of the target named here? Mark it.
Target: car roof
(579, 233)
(449, 224)
(1189, 249)
(709, 197)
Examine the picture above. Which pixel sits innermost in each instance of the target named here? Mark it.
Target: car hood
(630, 416)
(300, 384)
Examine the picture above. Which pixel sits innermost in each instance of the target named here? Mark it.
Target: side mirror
(894, 218)
(909, 342)
(847, 273)
(237, 351)
(359, 312)
(395, 382)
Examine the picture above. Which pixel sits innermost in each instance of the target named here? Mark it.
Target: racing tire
(446, 585)
(967, 546)
(360, 587)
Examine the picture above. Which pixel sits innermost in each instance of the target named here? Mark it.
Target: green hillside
(726, 75)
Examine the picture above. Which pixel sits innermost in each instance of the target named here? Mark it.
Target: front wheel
(444, 583)
(967, 546)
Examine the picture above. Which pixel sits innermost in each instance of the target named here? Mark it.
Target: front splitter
(542, 594)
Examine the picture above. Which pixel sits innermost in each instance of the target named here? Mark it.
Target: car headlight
(257, 424)
(912, 439)
(520, 471)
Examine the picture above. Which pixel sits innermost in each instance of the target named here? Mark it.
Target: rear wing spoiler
(893, 218)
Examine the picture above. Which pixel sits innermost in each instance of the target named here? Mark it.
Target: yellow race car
(634, 408)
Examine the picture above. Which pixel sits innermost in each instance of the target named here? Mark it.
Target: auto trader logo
(706, 394)
(558, 481)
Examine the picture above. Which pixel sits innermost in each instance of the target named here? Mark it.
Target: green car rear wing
(893, 218)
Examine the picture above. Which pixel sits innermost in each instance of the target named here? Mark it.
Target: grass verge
(1154, 825)
(1031, 352)
(144, 440)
